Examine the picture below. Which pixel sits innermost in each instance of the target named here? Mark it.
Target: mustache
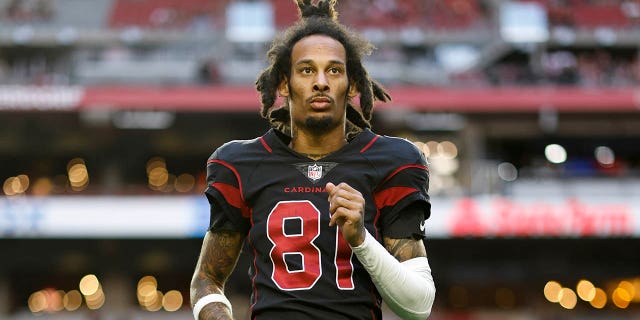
(309, 100)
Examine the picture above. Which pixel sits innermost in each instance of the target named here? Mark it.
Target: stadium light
(522, 22)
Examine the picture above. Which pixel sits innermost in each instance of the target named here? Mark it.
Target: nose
(321, 84)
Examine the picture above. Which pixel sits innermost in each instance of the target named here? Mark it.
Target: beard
(320, 125)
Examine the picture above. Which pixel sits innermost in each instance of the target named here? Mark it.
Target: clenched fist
(346, 206)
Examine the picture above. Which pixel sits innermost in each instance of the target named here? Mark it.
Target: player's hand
(346, 206)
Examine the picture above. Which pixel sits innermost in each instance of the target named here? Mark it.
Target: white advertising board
(188, 216)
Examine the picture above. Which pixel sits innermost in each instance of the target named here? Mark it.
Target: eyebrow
(309, 61)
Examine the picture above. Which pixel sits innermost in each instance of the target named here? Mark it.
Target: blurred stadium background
(528, 111)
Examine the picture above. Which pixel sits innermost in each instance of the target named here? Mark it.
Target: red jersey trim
(375, 300)
(233, 197)
(391, 196)
(235, 172)
(265, 145)
(369, 144)
(375, 222)
(382, 197)
(418, 166)
(253, 279)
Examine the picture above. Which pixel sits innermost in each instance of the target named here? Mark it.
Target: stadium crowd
(609, 66)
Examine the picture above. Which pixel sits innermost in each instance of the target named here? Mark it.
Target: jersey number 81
(302, 244)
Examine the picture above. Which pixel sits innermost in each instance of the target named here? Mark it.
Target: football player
(333, 213)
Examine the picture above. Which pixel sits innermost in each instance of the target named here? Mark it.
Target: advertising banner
(188, 216)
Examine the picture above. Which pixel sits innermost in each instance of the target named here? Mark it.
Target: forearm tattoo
(218, 257)
(405, 249)
(215, 311)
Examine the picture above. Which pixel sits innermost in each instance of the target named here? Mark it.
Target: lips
(320, 102)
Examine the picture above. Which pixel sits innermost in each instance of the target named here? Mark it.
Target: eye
(306, 70)
(335, 70)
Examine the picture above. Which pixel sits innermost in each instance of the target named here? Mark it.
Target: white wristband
(210, 298)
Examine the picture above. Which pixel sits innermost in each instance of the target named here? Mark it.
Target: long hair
(321, 18)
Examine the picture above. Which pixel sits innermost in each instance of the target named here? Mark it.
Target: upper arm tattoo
(405, 249)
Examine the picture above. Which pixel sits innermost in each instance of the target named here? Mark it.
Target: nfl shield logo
(314, 172)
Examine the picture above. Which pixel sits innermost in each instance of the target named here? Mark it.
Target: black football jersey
(301, 268)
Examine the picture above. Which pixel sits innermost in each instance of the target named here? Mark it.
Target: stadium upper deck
(110, 57)
(432, 43)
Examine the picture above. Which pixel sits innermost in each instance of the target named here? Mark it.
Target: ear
(353, 90)
(283, 88)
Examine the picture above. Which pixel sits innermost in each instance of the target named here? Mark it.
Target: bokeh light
(431, 149)
(621, 298)
(96, 300)
(567, 298)
(91, 288)
(586, 290)
(157, 173)
(636, 287)
(72, 300)
(172, 300)
(605, 156)
(447, 150)
(46, 300)
(629, 288)
(37, 302)
(507, 171)
(555, 153)
(147, 293)
(16, 185)
(89, 285)
(552, 291)
(599, 300)
(78, 174)
(56, 300)
(155, 301)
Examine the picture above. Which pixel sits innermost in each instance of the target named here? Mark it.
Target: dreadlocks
(319, 19)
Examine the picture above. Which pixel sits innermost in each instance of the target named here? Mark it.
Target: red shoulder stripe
(233, 197)
(235, 172)
(369, 144)
(418, 166)
(391, 196)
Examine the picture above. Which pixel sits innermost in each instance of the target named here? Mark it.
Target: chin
(320, 124)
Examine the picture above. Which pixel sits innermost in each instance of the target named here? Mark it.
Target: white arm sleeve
(407, 287)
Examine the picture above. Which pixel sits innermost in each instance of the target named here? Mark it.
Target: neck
(317, 146)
